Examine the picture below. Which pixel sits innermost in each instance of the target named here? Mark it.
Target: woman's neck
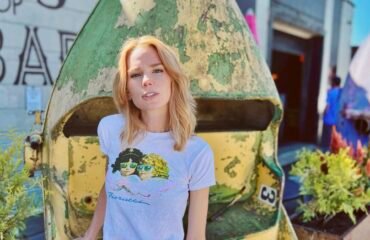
(156, 122)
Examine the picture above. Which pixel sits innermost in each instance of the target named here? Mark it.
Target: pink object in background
(250, 18)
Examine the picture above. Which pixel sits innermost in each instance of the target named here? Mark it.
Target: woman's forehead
(143, 55)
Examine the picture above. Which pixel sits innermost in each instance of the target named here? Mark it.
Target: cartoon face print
(145, 171)
(127, 161)
(153, 165)
(128, 168)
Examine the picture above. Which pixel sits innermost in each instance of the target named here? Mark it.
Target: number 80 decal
(268, 195)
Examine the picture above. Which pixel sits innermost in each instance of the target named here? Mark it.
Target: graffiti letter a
(2, 62)
(26, 65)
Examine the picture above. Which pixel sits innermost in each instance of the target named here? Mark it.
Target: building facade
(302, 42)
(35, 36)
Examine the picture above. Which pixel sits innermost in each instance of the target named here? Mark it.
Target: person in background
(331, 111)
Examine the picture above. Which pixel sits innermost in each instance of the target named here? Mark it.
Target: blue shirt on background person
(332, 106)
(331, 112)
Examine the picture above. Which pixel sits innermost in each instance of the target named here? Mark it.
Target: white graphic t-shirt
(147, 184)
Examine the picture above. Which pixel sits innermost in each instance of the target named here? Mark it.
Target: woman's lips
(149, 95)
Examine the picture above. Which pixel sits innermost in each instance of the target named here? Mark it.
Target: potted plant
(16, 204)
(337, 183)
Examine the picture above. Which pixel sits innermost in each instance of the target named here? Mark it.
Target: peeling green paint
(65, 175)
(229, 168)
(66, 213)
(247, 222)
(235, 21)
(240, 137)
(91, 140)
(162, 16)
(202, 45)
(70, 155)
(202, 21)
(202, 25)
(270, 161)
(52, 223)
(278, 114)
(66, 231)
(221, 193)
(225, 158)
(82, 168)
(216, 25)
(220, 67)
(194, 85)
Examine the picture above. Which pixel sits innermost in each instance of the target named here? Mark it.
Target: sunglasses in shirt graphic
(132, 161)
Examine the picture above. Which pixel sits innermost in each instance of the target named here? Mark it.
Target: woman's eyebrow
(156, 64)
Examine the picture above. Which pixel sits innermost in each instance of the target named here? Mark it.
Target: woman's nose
(147, 81)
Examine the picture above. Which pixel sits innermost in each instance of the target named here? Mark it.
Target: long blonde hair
(182, 119)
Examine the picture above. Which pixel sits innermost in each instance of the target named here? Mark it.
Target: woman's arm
(197, 217)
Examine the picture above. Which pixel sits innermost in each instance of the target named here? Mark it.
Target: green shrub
(16, 204)
(335, 181)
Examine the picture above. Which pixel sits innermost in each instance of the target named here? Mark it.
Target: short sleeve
(103, 137)
(202, 170)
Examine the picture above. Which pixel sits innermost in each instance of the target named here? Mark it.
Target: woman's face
(148, 83)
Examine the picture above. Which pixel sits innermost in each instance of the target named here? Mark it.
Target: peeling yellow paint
(62, 99)
(103, 82)
(225, 150)
(130, 11)
(267, 149)
(65, 99)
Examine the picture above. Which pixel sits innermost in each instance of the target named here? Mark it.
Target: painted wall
(300, 13)
(35, 36)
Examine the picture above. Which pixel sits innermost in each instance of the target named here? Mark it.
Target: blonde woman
(157, 118)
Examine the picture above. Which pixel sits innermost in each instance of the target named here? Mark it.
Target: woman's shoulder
(198, 143)
(112, 121)
(112, 118)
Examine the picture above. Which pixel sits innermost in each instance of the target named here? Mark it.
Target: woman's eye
(135, 75)
(158, 70)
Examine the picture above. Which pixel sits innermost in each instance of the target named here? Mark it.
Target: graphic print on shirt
(142, 175)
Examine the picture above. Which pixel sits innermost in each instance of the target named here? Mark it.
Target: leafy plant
(337, 181)
(16, 204)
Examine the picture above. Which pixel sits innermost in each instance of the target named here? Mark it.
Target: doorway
(287, 70)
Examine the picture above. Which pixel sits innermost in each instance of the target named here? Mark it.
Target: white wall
(263, 28)
(35, 36)
(344, 46)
